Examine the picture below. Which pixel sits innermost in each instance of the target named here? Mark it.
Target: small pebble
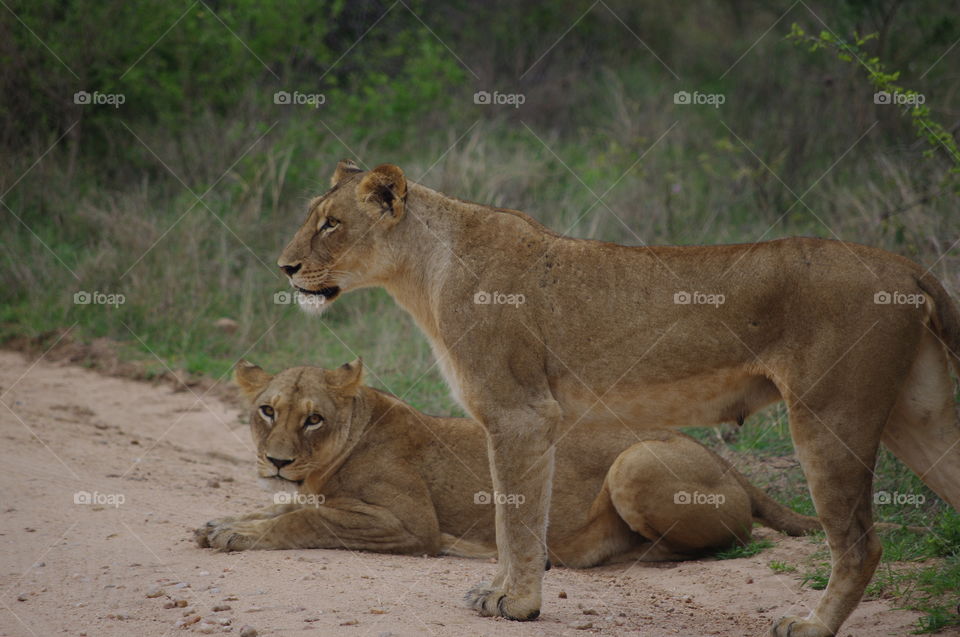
(154, 591)
(583, 626)
(590, 611)
(248, 631)
(220, 607)
(377, 611)
(350, 622)
(181, 603)
(22, 597)
(562, 595)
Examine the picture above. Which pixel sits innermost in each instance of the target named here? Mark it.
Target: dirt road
(104, 478)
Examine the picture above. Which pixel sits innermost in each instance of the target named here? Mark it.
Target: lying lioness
(376, 474)
(537, 333)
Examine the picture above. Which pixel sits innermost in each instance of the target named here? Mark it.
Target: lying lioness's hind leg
(602, 540)
(675, 493)
(838, 469)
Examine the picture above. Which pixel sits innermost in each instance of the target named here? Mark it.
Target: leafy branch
(888, 91)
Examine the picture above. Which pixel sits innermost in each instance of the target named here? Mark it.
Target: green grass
(780, 567)
(746, 550)
(918, 571)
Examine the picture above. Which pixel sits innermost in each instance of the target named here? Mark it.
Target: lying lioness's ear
(386, 187)
(250, 379)
(345, 168)
(348, 377)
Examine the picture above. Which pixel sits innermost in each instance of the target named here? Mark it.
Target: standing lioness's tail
(946, 317)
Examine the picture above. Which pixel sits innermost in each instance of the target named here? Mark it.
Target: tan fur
(600, 339)
(424, 483)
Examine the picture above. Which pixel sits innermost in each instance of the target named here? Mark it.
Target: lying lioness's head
(335, 250)
(301, 418)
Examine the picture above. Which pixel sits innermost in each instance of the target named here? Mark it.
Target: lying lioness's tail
(773, 514)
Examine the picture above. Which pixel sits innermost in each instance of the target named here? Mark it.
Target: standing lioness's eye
(329, 223)
(267, 411)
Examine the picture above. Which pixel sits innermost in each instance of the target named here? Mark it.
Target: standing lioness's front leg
(520, 445)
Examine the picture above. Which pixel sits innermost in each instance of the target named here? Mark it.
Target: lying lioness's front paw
(201, 535)
(236, 535)
(799, 627)
(491, 602)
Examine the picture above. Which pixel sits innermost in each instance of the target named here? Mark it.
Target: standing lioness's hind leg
(839, 470)
(923, 430)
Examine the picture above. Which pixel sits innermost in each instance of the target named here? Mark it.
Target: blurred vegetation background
(181, 197)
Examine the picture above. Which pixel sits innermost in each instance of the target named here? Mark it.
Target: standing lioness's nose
(290, 270)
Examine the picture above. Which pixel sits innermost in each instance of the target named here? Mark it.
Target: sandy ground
(120, 568)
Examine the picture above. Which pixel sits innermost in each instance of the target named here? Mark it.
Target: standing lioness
(373, 473)
(538, 333)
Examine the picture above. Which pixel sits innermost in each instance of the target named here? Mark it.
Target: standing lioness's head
(336, 249)
(302, 419)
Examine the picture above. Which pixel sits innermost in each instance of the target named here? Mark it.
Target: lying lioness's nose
(290, 270)
(279, 463)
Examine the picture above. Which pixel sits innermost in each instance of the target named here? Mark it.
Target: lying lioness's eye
(267, 411)
(313, 420)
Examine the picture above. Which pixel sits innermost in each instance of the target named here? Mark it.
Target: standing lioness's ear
(386, 187)
(345, 168)
(250, 379)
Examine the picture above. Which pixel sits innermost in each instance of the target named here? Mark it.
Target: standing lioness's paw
(490, 602)
(799, 627)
